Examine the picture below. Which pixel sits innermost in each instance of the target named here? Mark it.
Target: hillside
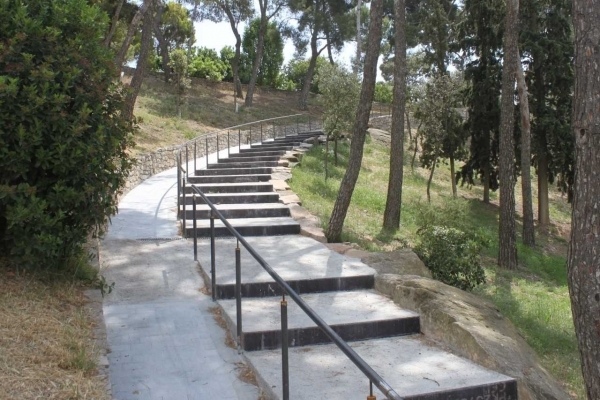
(207, 106)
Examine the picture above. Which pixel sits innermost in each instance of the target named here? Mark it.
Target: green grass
(535, 297)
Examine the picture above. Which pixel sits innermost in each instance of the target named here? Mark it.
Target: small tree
(179, 66)
(64, 138)
(340, 89)
(442, 131)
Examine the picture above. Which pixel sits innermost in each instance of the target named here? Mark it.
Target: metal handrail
(365, 368)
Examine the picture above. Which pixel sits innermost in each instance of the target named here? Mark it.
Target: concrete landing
(411, 365)
(355, 315)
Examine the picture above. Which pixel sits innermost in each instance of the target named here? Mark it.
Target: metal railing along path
(271, 128)
(374, 378)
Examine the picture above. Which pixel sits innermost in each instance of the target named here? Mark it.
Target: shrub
(452, 255)
(63, 139)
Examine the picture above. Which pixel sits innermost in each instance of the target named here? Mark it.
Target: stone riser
(250, 187)
(269, 340)
(503, 391)
(236, 199)
(260, 149)
(274, 146)
(229, 179)
(265, 289)
(252, 158)
(227, 164)
(234, 171)
(265, 153)
(268, 230)
(244, 213)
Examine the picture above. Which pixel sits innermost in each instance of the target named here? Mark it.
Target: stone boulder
(379, 136)
(401, 262)
(473, 328)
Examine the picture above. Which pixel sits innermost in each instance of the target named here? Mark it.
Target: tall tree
(358, 38)
(173, 29)
(271, 59)
(142, 62)
(584, 258)
(234, 11)
(528, 227)
(113, 24)
(507, 256)
(268, 9)
(391, 216)
(338, 215)
(131, 31)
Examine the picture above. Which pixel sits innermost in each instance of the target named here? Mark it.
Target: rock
(279, 185)
(298, 212)
(313, 232)
(355, 253)
(283, 163)
(473, 328)
(377, 135)
(340, 247)
(401, 262)
(290, 198)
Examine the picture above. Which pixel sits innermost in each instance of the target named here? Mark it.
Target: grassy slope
(208, 106)
(535, 297)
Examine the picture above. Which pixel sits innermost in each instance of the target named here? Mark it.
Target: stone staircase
(336, 287)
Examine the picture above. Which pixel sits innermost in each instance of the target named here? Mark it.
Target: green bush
(63, 139)
(206, 63)
(452, 256)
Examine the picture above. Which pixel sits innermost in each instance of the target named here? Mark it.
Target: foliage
(206, 63)
(340, 93)
(176, 25)
(272, 57)
(452, 256)
(63, 141)
(227, 54)
(295, 72)
(384, 93)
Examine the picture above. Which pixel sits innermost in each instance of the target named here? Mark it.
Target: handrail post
(206, 152)
(212, 257)
(274, 133)
(217, 147)
(239, 140)
(297, 126)
(370, 396)
(184, 201)
(195, 226)
(228, 154)
(250, 134)
(238, 295)
(285, 368)
(261, 133)
(178, 183)
(195, 156)
(187, 163)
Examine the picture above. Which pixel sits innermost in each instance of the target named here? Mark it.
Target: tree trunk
(543, 201)
(326, 156)
(358, 38)
(453, 177)
(314, 54)
(113, 24)
(133, 27)
(408, 126)
(528, 227)
(235, 66)
(142, 63)
(361, 123)
(414, 157)
(583, 264)
(486, 181)
(162, 44)
(507, 255)
(431, 179)
(393, 204)
(335, 151)
(329, 52)
(259, 54)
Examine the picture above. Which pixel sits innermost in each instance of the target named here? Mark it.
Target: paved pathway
(164, 342)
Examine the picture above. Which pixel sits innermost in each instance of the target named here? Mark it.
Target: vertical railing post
(261, 133)
(228, 154)
(285, 370)
(206, 152)
(213, 272)
(178, 183)
(238, 295)
(239, 139)
(195, 156)
(274, 134)
(195, 226)
(183, 190)
(250, 134)
(297, 125)
(187, 163)
(284, 130)
(217, 148)
(370, 396)
(309, 128)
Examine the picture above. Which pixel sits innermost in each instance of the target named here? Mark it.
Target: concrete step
(242, 187)
(234, 171)
(259, 149)
(354, 315)
(251, 158)
(229, 178)
(247, 227)
(236, 198)
(260, 210)
(277, 153)
(227, 164)
(308, 266)
(275, 146)
(414, 367)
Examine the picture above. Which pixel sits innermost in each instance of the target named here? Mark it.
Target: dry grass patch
(46, 340)
(220, 320)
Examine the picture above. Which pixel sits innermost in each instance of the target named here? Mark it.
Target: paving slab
(412, 366)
